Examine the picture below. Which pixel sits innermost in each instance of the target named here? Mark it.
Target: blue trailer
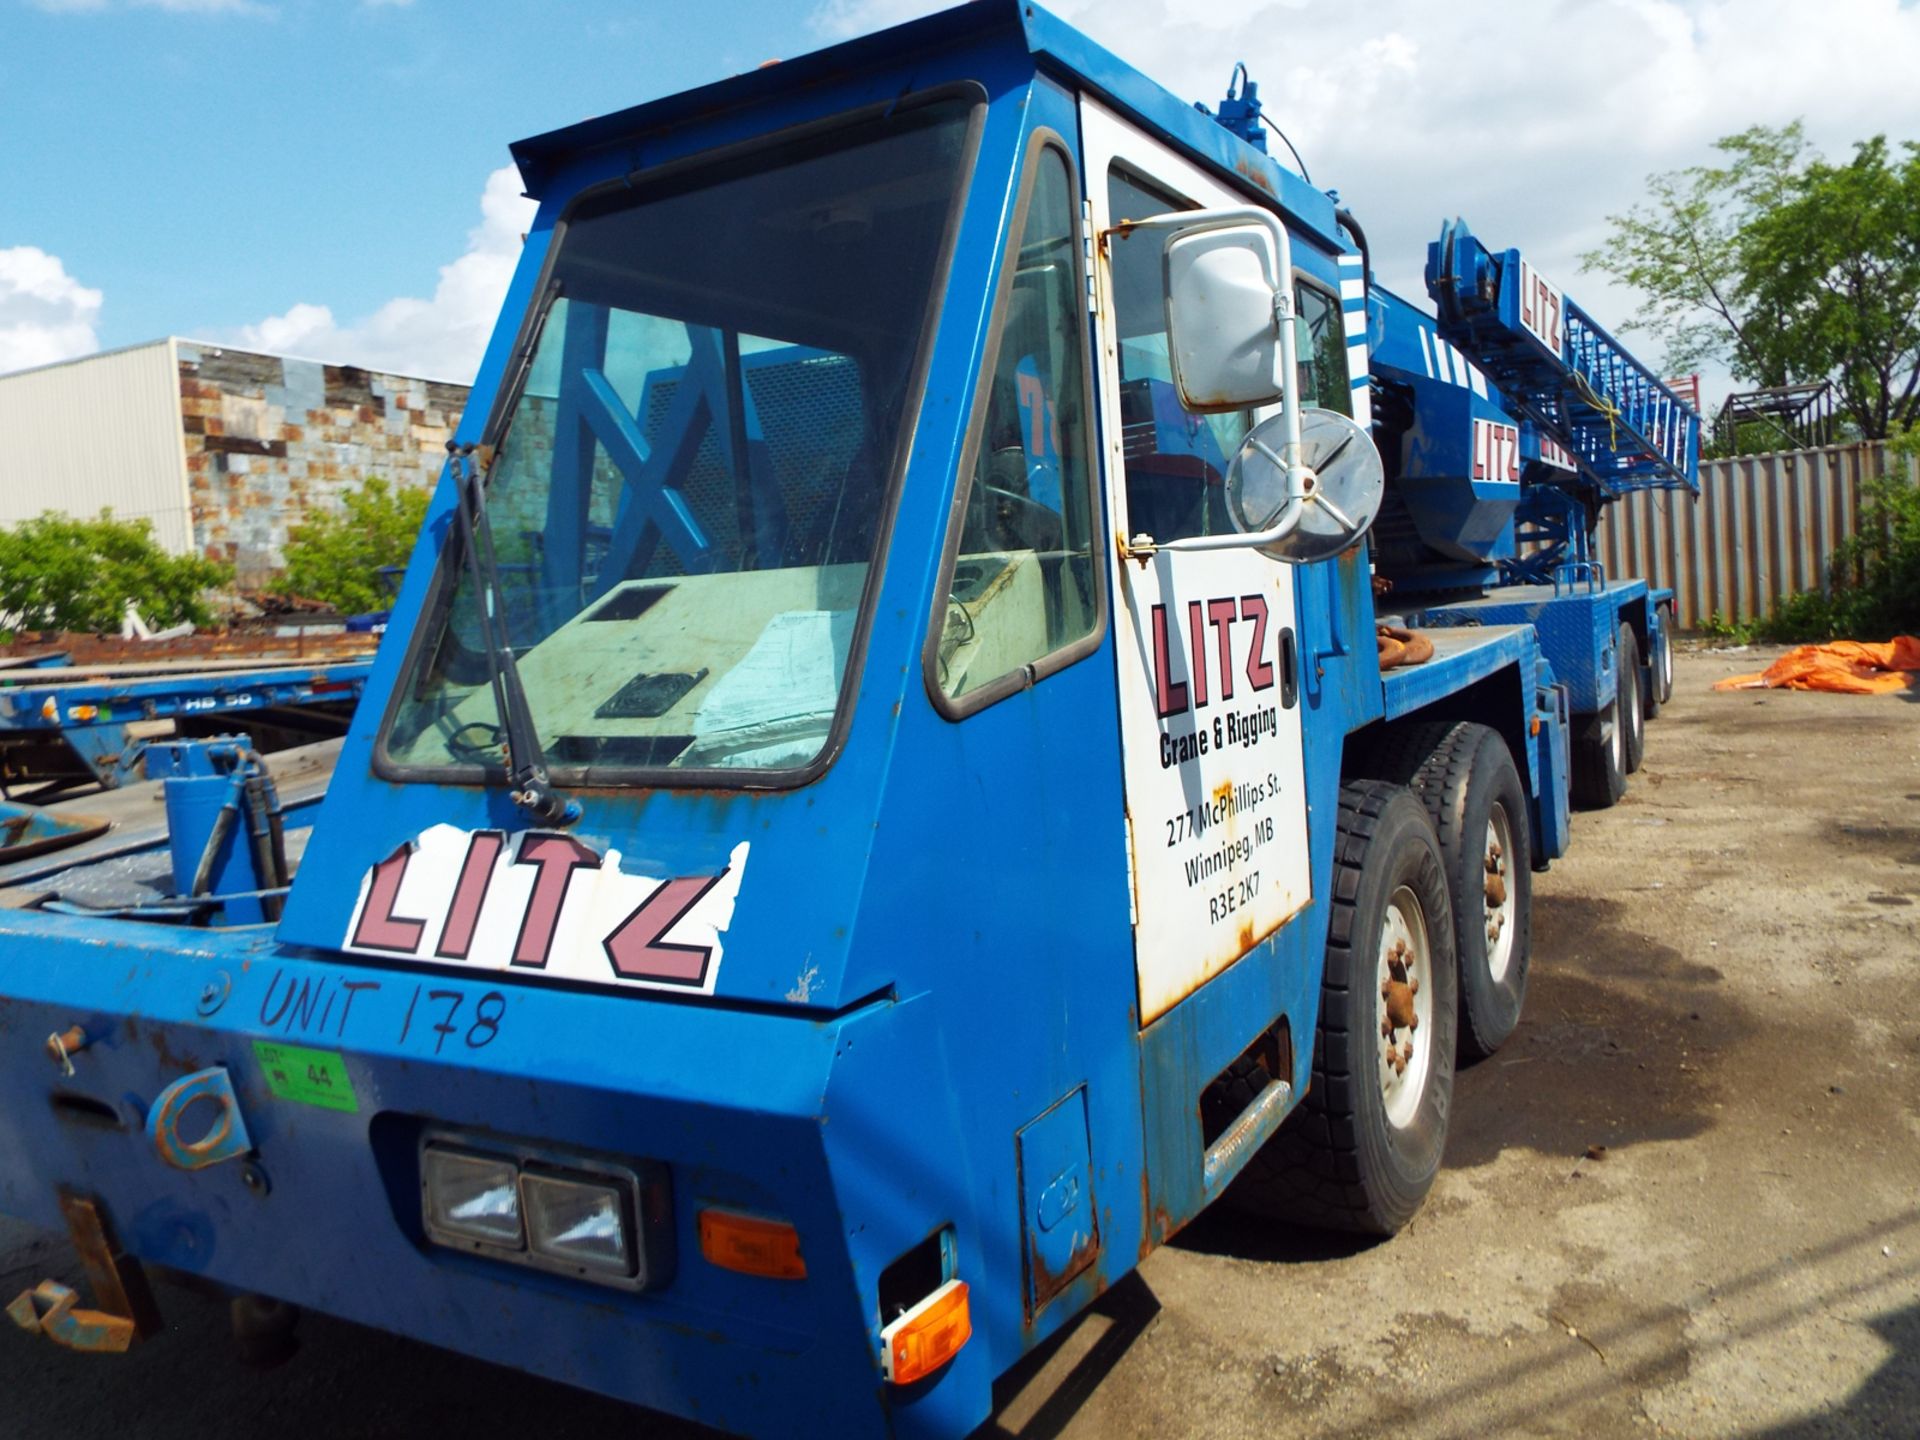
(67, 725)
(880, 800)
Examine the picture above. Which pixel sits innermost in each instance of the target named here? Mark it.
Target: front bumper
(323, 1210)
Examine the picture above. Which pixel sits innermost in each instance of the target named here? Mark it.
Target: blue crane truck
(885, 793)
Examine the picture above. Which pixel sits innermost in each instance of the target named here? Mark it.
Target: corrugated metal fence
(1762, 528)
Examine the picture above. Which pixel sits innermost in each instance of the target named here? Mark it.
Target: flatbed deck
(1461, 655)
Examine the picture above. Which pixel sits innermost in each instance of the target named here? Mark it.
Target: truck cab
(948, 809)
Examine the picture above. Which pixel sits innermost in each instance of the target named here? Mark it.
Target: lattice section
(812, 424)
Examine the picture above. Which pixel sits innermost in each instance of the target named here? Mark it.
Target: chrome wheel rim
(1502, 905)
(1405, 1043)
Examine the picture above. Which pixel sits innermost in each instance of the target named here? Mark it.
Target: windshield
(686, 496)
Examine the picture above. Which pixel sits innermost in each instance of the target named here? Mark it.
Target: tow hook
(126, 1310)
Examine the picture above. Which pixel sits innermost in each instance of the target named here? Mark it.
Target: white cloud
(1534, 121)
(442, 337)
(45, 314)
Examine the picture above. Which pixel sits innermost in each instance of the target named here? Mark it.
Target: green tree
(1784, 268)
(60, 573)
(336, 557)
(1833, 274)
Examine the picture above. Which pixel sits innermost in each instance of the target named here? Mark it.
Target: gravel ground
(1684, 1199)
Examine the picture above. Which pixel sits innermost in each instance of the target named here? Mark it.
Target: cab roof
(1056, 46)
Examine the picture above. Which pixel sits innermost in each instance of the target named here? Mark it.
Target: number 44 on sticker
(307, 1077)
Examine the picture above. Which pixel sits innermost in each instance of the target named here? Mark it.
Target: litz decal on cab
(543, 903)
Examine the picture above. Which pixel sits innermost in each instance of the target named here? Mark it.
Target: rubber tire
(1663, 658)
(1336, 1163)
(1458, 770)
(1627, 673)
(1598, 778)
(1649, 688)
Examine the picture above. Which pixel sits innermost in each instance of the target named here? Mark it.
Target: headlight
(579, 1221)
(471, 1198)
(577, 1215)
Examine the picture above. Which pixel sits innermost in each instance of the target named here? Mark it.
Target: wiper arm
(526, 764)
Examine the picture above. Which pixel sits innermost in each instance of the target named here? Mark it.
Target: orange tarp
(1849, 667)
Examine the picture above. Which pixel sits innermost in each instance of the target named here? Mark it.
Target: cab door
(1206, 641)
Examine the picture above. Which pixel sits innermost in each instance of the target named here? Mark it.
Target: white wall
(103, 432)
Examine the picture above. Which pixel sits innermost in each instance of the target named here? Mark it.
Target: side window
(1176, 460)
(1323, 358)
(1023, 584)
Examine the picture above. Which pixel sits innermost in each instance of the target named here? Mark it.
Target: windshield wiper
(526, 764)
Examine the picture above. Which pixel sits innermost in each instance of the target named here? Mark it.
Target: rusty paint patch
(1047, 1283)
(1250, 169)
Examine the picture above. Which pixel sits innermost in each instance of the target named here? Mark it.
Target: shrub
(336, 557)
(1873, 575)
(62, 573)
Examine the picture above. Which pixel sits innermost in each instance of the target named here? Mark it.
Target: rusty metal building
(224, 450)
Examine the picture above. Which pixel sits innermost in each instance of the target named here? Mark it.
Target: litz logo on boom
(1211, 675)
(1496, 451)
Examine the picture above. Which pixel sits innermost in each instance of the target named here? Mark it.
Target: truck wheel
(1598, 757)
(1632, 712)
(1466, 777)
(1473, 794)
(1362, 1149)
(1663, 658)
(1650, 674)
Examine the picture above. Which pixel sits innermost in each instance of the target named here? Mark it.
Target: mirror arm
(1299, 477)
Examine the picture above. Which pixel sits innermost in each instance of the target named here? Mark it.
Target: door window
(1323, 356)
(1176, 458)
(1023, 582)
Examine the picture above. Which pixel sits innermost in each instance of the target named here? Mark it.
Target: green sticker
(311, 1077)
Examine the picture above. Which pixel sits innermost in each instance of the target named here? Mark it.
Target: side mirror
(1227, 313)
(1344, 482)
(1230, 331)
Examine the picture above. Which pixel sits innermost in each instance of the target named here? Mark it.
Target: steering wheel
(1006, 515)
(477, 751)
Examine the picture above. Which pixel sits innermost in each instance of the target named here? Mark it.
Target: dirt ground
(1683, 1200)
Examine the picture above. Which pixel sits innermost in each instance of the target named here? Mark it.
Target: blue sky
(324, 176)
(207, 165)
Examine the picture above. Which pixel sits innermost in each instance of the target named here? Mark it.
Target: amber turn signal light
(927, 1336)
(751, 1245)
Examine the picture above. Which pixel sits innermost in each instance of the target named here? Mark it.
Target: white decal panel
(542, 903)
(1542, 308)
(1211, 739)
(1207, 656)
(1496, 451)
(1555, 455)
